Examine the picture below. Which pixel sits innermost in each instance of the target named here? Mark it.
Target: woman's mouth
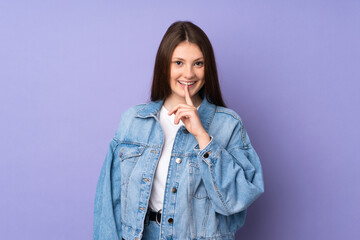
(183, 83)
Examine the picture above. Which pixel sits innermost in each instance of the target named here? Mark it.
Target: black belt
(155, 216)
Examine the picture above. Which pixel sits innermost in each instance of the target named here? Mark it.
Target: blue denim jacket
(215, 185)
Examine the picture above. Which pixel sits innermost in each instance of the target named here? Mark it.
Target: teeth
(186, 83)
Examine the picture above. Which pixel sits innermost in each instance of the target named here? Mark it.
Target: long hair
(178, 32)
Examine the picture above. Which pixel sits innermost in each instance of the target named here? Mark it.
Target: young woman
(180, 166)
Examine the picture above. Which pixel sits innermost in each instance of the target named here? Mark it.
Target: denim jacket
(213, 186)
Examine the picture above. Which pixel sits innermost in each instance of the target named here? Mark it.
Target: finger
(178, 116)
(187, 96)
(177, 107)
(178, 113)
(189, 110)
(182, 115)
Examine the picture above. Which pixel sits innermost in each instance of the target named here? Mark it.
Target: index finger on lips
(187, 96)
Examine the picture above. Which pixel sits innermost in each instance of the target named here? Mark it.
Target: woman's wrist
(203, 139)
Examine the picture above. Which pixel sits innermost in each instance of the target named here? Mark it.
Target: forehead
(187, 50)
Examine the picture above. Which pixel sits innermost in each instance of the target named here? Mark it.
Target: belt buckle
(158, 215)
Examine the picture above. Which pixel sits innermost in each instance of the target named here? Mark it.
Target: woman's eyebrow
(179, 58)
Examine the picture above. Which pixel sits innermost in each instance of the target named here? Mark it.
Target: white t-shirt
(158, 187)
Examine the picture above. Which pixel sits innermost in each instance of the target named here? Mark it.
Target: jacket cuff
(209, 153)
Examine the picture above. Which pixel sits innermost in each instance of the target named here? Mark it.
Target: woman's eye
(178, 63)
(199, 64)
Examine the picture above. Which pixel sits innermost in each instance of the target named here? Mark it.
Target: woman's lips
(183, 85)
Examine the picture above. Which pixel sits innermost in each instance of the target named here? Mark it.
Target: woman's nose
(189, 72)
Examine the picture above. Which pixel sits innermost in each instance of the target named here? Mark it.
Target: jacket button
(206, 155)
(170, 220)
(178, 160)
(173, 190)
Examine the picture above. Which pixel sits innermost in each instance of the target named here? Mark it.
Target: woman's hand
(189, 115)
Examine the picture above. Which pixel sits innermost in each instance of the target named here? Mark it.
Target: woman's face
(187, 67)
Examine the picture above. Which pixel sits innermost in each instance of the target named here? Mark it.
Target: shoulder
(231, 125)
(132, 111)
(127, 118)
(228, 115)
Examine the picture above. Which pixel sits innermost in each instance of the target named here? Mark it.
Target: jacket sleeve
(232, 177)
(107, 220)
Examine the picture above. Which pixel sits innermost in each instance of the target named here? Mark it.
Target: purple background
(291, 69)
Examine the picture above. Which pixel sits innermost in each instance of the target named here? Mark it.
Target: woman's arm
(232, 177)
(107, 217)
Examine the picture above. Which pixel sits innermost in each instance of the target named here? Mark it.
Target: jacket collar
(206, 111)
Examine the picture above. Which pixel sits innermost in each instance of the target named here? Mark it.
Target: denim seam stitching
(134, 143)
(242, 134)
(239, 147)
(217, 190)
(231, 114)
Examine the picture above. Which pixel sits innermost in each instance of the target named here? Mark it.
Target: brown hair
(178, 32)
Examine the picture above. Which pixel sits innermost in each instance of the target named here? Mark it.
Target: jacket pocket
(128, 154)
(196, 184)
(200, 190)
